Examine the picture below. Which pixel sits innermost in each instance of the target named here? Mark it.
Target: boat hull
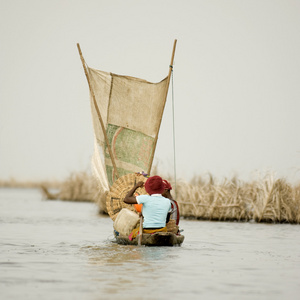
(156, 239)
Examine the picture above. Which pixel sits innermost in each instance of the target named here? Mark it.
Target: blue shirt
(155, 210)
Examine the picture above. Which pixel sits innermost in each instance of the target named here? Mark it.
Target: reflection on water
(117, 255)
(56, 250)
(124, 269)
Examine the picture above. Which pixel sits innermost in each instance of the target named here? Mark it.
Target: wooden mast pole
(97, 110)
(162, 111)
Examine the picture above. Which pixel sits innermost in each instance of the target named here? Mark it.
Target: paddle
(141, 230)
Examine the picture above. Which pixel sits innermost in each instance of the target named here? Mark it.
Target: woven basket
(118, 191)
(172, 227)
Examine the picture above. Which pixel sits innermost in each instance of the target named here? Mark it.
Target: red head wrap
(167, 185)
(154, 185)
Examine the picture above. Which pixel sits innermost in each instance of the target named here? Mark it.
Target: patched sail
(131, 111)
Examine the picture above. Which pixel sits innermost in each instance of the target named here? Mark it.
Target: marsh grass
(263, 200)
(78, 187)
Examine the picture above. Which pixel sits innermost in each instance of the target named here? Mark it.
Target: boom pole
(97, 110)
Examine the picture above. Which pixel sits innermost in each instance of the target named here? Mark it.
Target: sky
(235, 85)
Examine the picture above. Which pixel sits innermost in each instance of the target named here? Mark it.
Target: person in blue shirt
(155, 206)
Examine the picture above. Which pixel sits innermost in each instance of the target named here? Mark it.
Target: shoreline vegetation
(266, 199)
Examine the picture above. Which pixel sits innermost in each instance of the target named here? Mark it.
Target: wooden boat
(155, 239)
(127, 114)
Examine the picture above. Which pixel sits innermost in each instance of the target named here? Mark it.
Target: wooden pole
(98, 111)
(162, 111)
(140, 231)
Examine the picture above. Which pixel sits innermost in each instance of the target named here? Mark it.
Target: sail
(131, 111)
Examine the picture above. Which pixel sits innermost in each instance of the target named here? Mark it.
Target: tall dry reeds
(263, 200)
(210, 201)
(78, 187)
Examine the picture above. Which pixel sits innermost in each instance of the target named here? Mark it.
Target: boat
(116, 206)
(156, 239)
(126, 115)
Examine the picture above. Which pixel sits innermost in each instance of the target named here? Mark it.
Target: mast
(97, 110)
(162, 111)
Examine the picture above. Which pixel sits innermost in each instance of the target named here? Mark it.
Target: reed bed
(265, 199)
(78, 187)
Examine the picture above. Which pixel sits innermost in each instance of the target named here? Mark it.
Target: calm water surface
(64, 250)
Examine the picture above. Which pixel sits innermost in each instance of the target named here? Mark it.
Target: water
(64, 250)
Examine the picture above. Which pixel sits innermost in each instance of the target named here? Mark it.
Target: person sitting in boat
(155, 206)
(174, 214)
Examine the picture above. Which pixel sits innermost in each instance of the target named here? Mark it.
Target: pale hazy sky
(236, 82)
